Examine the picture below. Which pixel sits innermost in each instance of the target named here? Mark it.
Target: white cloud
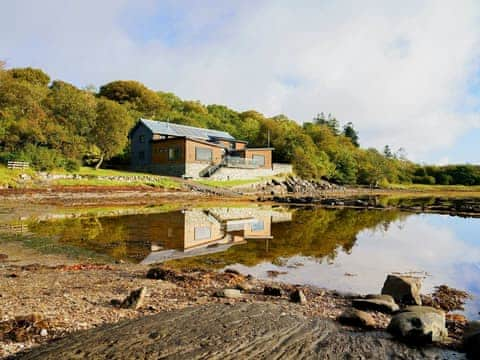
(400, 72)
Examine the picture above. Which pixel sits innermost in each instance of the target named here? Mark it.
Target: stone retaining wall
(226, 173)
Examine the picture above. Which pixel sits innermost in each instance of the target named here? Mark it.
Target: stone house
(177, 150)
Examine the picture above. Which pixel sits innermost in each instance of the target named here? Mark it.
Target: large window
(258, 160)
(202, 233)
(203, 154)
(258, 225)
(173, 154)
(141, 138)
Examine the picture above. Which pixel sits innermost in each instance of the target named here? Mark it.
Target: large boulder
(471, 340)
(419, 325)
(354, 317)
(380, 303)
(405, 290)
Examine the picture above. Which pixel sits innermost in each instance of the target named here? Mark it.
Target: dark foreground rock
(358, 318)
(404, 289)
(419, 325)
(376, 304)
(472, 340)
(220, 331)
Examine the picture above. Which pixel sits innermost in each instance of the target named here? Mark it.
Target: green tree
(136, 96)
(74, 112)
(31, 75)
(350, 132)
(111, 129)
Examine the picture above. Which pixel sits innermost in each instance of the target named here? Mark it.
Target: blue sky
(407, 76)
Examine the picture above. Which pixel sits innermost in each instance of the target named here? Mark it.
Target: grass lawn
(89, 178)
(434, 188)
(9, 177)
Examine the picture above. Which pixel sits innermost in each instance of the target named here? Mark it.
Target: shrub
(72, 165)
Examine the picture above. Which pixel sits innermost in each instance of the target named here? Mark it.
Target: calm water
(347, 250)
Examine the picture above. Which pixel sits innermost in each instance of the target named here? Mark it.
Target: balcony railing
(240, 162)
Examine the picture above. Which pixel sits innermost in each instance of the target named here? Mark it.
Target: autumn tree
(111, 128)
(31, 75)
(136, 96)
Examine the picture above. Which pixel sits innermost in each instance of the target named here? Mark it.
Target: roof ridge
(185, 126)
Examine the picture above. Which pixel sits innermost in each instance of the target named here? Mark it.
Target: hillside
(53, 124)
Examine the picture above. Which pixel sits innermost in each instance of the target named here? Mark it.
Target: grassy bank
(87, 176)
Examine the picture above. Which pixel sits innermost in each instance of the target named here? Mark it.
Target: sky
(406, 73)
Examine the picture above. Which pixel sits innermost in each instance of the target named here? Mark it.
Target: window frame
(202, 233)
(174, 153)
(262, 163)
(199, 148)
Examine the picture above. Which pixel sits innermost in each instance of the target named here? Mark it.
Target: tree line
(54, 124)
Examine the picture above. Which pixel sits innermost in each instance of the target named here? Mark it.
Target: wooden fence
(18, 165)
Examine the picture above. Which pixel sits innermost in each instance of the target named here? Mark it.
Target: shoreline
(72, 296)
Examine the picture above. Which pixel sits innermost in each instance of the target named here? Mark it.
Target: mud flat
(230, 332)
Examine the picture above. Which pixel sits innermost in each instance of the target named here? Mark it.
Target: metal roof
(166, 128)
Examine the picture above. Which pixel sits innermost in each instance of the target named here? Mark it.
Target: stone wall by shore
(228, 173)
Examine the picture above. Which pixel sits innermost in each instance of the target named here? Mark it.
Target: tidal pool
(343, 249)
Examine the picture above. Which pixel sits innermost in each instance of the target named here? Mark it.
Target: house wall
(240, 145)
(217, 153)
(256, 231)
(266, 153)
(161, 164)
(137, 147)
(198, 223)
(160, 151)
(186, 163)
(227, 144)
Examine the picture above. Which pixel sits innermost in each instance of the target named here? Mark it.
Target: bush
(72, 165)
(427, 180)
(41, 158)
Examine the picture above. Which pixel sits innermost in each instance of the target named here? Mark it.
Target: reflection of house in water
(199, 232)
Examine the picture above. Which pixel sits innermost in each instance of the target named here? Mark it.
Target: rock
(229, 293)
(380, 297)
(232, 271)
(405, 290)
(272, 291)
(297, 296)
(43, 332)
(115, 302)
(3, 257)
(354, 317)
(240, 331)
(381, 305)
(29, 319)
(471, 340)
(162, 274)
(424, 309)
(419, 325)
(244, 286)
(135, 299)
